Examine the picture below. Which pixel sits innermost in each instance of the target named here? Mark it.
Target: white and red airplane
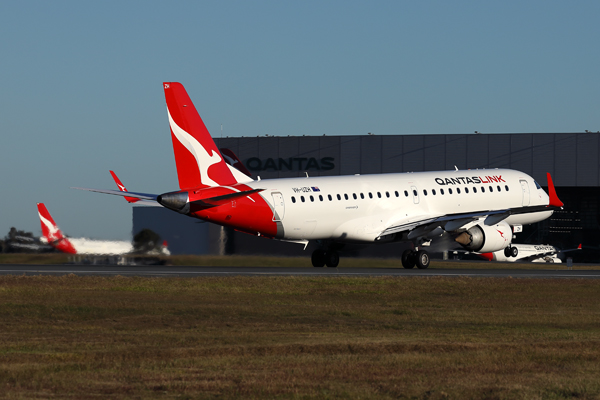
(478, 208)
(528, 253)
(52, 235)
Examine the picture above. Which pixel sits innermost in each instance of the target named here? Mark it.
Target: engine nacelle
(486, 239)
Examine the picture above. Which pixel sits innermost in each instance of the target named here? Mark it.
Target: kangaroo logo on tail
(52, 233)
(199, 163)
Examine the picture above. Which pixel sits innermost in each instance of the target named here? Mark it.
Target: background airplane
(528, 253)
(478, 208)
(53, 236)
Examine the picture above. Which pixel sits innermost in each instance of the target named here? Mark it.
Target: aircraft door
(415, 194)
(525, 190)
(279, 206)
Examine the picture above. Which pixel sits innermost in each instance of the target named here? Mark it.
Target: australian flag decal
(315, 189)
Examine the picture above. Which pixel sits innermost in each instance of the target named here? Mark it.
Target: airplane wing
(577, 248)
(450, 222)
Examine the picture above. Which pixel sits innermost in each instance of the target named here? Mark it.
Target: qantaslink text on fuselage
(472, 179)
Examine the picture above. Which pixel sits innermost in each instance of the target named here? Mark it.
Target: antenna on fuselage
(456, 167)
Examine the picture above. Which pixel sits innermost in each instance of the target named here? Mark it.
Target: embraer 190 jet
(479, 209)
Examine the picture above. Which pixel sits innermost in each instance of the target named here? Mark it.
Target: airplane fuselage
(361, 208)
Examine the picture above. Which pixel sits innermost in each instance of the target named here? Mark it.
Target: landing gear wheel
(422, 259)
(408, 259)
(514, 252)
(318, 258)
(507, 251)
(332, 259)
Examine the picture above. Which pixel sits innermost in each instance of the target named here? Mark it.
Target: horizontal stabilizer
(143, 196)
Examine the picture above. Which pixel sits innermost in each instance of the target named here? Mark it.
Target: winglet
(122, 188)
(554, 200)
(52, 233)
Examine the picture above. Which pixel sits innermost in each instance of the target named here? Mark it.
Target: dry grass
(299, 262)
(299, 337)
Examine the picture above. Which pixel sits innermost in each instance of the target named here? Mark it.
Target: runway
(197, 271)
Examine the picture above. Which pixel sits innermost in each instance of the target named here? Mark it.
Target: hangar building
(571, 158)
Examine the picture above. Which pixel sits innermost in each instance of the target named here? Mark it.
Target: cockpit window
(537, 185)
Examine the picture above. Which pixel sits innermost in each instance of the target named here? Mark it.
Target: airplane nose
(174, 200)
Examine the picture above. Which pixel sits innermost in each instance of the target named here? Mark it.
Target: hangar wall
(571, 158)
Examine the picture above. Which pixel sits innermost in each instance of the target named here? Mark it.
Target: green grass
(299, 337)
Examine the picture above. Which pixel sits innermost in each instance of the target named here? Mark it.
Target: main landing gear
(320, 258)
(420, 258)
(511, 251)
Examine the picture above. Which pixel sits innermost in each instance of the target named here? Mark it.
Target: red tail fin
(51, 232)
(199, 163)
(122, 188)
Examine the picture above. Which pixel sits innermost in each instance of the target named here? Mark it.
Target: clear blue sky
(82, 91)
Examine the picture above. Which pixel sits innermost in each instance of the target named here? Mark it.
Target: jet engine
(486, 239)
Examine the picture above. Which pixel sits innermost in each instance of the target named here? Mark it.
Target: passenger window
(320, 198)
(499, 188)
(491, 189)
(329, 197)
(433, 191)
(379, 194)
(442, 192)
(506, 187)
(466, 190)
(449, 191)
(370, 195)
(415, 193)
(345, 196)
(362, 196)
(474, 190)
(387, 194)
(293, 199)
(483, 189)
(302, 198)
(406, 193)
(339, 197)
(312, 198)
(458, 190)
(354, 195)
(425, 192)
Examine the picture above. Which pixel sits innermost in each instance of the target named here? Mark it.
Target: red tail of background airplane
(51, 232)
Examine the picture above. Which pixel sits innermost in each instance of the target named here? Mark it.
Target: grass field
(267, 261)
(299, 337)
